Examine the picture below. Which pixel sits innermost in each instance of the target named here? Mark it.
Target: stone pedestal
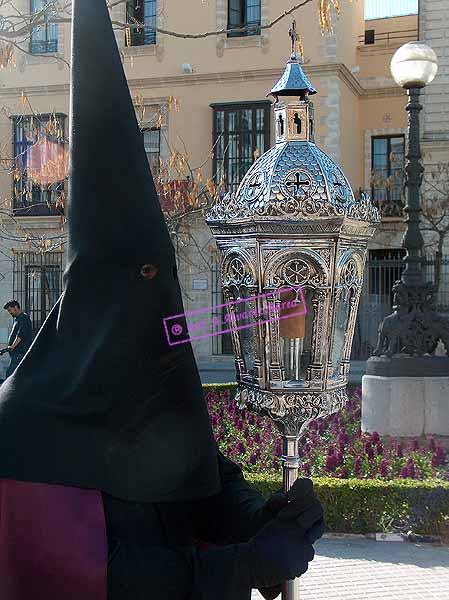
(406, 406)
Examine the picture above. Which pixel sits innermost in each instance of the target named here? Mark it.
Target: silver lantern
(293, 224)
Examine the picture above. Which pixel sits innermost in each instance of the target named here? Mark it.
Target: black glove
(297, 499)
(280, 550)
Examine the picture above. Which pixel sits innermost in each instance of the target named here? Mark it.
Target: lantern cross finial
(294, 36)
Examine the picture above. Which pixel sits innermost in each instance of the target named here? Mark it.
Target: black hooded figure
(109, 472)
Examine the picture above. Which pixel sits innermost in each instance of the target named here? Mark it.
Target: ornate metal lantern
(293, 223)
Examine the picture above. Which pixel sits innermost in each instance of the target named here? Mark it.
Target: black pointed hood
(102, 400)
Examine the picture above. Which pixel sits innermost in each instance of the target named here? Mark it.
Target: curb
(410, 538)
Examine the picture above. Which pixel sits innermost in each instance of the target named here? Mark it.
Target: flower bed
(364, 486)
(333, 446)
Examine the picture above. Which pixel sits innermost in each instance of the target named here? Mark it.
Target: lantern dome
(294, 180)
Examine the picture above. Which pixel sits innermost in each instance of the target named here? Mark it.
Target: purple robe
(53, 542)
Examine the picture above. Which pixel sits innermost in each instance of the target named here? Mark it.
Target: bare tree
(16, 27)
(435, 212)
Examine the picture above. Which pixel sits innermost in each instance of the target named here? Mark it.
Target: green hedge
(369, 506)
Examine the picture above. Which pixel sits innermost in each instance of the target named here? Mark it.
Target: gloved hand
(283, 548)
(291, 505)
(299, 497)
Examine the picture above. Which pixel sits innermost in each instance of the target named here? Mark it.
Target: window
(44, 39)
(221, 344)
(370, 36)
(387, 173)
(241, 132)
(152, 141)
(142, 12)
(41, 164)
(37, 283)
(381, 9)
(244, 13)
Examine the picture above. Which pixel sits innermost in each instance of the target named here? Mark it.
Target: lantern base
(405, 406)
(291, 410)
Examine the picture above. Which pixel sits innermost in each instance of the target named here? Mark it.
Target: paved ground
(359, 569)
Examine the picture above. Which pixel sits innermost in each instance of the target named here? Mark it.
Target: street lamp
(293, 243)
(414, 65)
(405, 391)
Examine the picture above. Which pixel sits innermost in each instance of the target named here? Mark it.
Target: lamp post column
(413, 241)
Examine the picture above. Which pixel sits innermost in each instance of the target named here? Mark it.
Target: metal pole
(413, 241)
(290, 466)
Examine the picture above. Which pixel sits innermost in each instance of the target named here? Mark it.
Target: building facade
(206, 99)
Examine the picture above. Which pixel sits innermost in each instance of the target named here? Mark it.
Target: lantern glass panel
(295, 334)
(247, 330)
(341, 326)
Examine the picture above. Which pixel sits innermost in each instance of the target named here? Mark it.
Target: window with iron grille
(39, 147)
(244, 13)
(143, 12)
(152, 142)
(387, 170)
(241, 133)
(37, 283)
(221, 344)
(44, 39)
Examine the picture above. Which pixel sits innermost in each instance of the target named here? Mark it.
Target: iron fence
(37, 283)
(382, 269)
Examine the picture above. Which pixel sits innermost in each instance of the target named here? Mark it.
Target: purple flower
(339, 457)
(410, 468)
(404, 473)
(384, 467)
(375, 437)
(241, 447)
(343, 438)
(253, 459)
(431, 444)
(358, 467)
(257, 437)
(441, 453)
(344, 473)
(436, 461)
(414, 445)
(369, 450)
(399, 451)
(331, 463)
(379, 448)
(306, 468)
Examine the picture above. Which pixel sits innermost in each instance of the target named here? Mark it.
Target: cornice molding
(334, 69)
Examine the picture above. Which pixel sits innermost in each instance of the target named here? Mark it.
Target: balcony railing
(373, 39)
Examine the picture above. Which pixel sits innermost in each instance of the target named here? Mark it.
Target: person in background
(20, 338)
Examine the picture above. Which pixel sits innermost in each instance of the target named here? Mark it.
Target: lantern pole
(290, 467)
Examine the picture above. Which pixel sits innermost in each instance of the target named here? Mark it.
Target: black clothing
(23, 329)
(104, 401)
(14, 363)
(153, 550)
